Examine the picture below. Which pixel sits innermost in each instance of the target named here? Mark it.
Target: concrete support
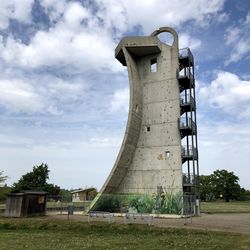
(150, 156)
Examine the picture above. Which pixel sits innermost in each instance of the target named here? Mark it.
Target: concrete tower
(160, 139)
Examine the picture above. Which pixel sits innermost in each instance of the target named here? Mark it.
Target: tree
(3, 178)
(4, 190)
(244, 194)
(52, 189)
(65, 194)
(225, 184)
(36, 180)
(206, 188)
(93, 194)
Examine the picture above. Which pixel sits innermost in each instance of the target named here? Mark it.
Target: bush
(142, 203)
(163, 203)
(169, 203)
(109, 203)
(4, 191)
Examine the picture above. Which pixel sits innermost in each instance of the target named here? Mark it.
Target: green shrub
(163, 203)
(142, 203)
(4, 191)
(108, 203)
(169, 203)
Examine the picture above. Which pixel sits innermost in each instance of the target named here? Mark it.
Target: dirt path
(237, 223)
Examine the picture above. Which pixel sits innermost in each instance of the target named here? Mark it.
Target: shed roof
(28, 192)
(83, 190)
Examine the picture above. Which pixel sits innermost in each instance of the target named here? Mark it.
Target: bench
(133, 218)
(99, 214)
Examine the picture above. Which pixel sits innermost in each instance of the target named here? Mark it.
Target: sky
(64, 97)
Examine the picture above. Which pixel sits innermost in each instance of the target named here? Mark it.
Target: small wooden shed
(26, 203)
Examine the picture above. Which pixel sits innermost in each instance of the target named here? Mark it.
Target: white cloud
(228, 93)
(232, 35)
(15, 9)
(167, 13)
(70, 44)
(82, 39)
(113, 14)
(241, 49)
(61, 160)
(65, 91)
(39, 93)
(187, 41)
(120, 101)
(19, 96)
(75, 14)
(15, 140)
(222, 17)
(105, 142)
(54, 8)
(224, 145)
(237, 37)
(247, 21)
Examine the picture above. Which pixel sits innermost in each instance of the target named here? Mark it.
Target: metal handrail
(185, 52)
(189, 178)
(184, 74)
(185, 123)
(188, 151)
(187, 101)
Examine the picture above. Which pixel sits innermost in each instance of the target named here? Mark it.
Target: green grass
(226, 207)
(42, 233)
(2, 206)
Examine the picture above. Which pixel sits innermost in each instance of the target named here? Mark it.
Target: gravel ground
(237, 223)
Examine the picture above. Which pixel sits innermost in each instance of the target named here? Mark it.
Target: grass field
(226, 207)
(42, 233)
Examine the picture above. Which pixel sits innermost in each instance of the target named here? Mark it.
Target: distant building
(26, 203)
(83, 194)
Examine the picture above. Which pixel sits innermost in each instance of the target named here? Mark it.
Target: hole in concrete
(147, 128)
(136, 108)
(153, 65)
(166, 37)
(167, 153)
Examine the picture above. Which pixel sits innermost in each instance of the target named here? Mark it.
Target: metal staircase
(188, 132)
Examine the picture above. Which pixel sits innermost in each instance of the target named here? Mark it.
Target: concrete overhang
(137, 47)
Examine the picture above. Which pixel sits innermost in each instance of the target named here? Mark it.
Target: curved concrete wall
(150, 155)
(126, 154)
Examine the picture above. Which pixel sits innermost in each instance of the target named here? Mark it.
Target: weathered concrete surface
(150, 155)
